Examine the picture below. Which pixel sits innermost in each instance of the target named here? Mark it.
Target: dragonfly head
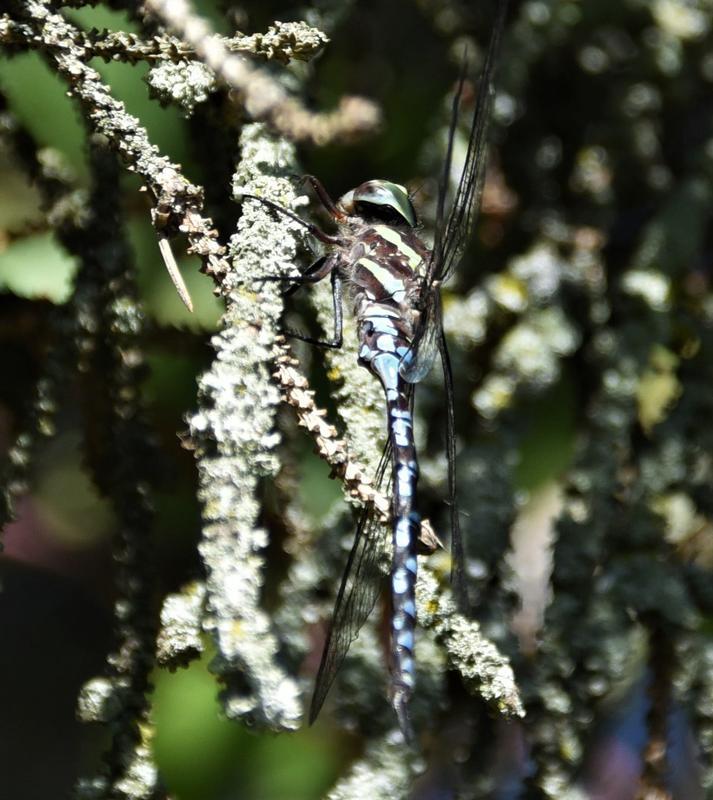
(379, 201)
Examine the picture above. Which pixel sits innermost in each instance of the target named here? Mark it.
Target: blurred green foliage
(203, 755)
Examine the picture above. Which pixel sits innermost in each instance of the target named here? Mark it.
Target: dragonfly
(393, 280)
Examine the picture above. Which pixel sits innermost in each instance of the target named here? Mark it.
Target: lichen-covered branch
(282, 42)
(262, 96)
(64, 208)
(119, 453)
(235, 440)
(180, 635)
(177, 201)
(484, 670)
(382, 771)
(101, 323)
(296, 392)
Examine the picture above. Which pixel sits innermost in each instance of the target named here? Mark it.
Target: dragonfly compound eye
(381, 201)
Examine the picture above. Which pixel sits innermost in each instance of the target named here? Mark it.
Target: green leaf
(37, 267)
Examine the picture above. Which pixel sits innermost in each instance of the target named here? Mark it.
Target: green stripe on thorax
(394, 237)
(391, 283)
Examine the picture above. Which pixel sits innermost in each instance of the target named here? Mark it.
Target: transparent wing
(360, 588)
(458, 581)
(452, 234)
(450, 239)
(436, 340)
(417, 363)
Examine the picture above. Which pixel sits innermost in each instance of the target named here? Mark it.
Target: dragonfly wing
(440, 227)
(359, 590)
(417, 362)
(458, 581)
(432, 343)
(450, 240)
(451, 235)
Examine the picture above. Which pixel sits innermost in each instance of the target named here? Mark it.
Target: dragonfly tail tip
(400, 704)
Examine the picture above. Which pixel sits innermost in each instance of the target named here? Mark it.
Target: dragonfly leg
(318, 233)
(323, 195)
(313, 274)
(336, 341)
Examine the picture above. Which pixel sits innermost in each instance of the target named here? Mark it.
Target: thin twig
(174, 272)
(178, 202)
(262, 97)
(283, 42)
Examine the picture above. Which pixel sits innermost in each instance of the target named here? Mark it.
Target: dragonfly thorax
(379, 201)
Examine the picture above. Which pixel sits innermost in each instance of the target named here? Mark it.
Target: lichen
(235, 439)
(179, 638)
(382, 772)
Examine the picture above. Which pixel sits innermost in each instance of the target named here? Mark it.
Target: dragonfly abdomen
(406, 523)
(384, 276)
(405, 519)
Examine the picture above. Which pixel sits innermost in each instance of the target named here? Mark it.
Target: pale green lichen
(508, 292)
(140, 780)
(284, 41)
(179, 637)
(236, 439)
(483, 668)
(98, 701)
(188, 83)
(313, 563)
(382, 772)
(361, 406)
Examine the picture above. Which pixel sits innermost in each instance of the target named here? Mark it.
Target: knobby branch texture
(581, 329)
